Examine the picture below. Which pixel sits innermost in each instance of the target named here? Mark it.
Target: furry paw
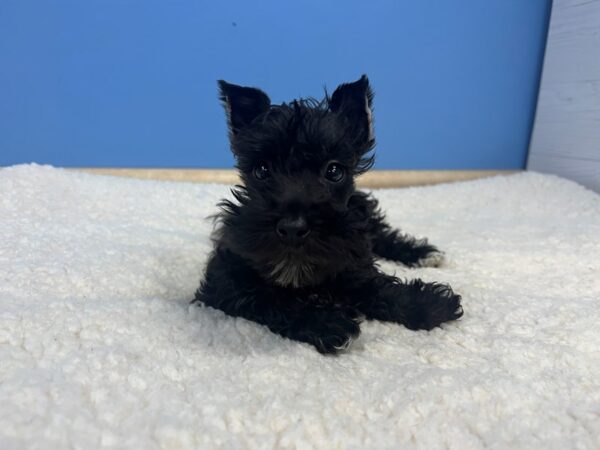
(432, 305)
(432, 259)
(328, 330)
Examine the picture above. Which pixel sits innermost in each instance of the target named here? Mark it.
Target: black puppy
(296, 251)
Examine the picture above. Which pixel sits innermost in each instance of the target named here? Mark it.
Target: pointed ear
(353, 100)
(242, 104)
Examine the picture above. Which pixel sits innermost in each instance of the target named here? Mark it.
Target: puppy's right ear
(242, 104)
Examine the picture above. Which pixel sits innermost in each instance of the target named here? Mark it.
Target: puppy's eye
(334, 172)
(261, 172)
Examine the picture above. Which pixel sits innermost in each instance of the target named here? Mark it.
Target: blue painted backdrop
(132, 83)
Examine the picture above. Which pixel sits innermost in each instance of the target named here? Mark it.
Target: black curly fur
(319, 290)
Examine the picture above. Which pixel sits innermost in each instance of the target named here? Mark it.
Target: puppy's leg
(416, 304)
(233, 287)
(391, 244)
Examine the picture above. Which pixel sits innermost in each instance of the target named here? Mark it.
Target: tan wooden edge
(372, 179)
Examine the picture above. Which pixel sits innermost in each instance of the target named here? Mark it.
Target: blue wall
(132, 83)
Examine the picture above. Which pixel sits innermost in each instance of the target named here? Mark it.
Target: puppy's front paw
(329, 330)
(432, 305)
(435, 258)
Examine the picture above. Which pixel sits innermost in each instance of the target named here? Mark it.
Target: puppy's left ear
(353, 101)
(242, 104)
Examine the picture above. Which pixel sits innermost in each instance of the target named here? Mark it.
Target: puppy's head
(297, 161)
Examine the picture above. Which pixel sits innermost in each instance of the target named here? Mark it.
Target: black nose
(292, 230)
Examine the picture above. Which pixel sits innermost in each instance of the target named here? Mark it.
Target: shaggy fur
(296, 250)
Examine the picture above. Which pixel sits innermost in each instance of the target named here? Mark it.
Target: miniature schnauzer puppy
(296, 250)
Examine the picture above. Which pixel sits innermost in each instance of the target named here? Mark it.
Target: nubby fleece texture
(100, 347)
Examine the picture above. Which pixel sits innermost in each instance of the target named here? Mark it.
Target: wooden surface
(566, 134)
(372, 179)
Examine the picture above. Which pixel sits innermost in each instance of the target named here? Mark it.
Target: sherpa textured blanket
(99, 346)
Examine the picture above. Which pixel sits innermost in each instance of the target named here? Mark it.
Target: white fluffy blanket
(99, 347)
